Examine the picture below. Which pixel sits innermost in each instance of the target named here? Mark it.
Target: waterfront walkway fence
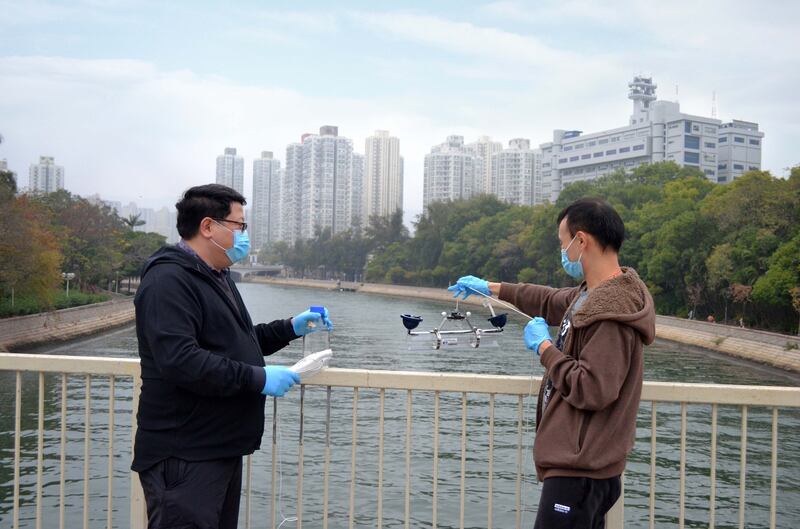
(414, 386)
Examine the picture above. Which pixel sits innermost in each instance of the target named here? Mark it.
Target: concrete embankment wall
(778, 350)
(64, 324)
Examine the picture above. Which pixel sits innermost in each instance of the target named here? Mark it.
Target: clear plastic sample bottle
(317, 340)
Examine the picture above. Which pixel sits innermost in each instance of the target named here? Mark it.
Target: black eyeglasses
(242, 225)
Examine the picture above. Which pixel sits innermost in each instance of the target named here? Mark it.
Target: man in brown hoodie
(589, 397)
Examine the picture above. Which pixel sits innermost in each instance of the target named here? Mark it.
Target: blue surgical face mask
(241, 245)
(573, 268)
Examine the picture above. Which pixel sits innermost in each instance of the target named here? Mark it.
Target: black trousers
(576, 502)
(193, 494)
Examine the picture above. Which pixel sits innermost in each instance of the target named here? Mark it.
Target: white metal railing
(521, 390)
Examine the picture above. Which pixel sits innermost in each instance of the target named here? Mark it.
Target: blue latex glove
(536, 331)
(469, 285)
(279, 380)
(300, 323)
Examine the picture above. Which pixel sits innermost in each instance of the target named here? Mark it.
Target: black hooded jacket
(202, 364)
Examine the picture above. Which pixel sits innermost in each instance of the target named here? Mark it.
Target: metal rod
(40, 453)
(682, 486)
(463, 457)
(300, 454)
(110, 469)
(653, 435)
(17, 428)
(249, 488)
(380, 458)
(326, 470)
(743, 468)
(506, 305)
(435, 459)
(774, 476)
(63, 454)
(86, 442)
(712, 498)
(274, 456)
(490, 490)
(353, 459)
(408, 460)
(520, 420)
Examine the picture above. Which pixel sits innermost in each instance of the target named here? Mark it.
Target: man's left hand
(536, 332)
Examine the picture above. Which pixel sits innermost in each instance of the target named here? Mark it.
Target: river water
(368, 335)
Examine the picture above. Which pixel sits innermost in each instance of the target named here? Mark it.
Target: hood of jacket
(625, 299)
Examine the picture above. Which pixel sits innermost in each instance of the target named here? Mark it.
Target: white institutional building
(656, 131)
(230, 170)
(45, 176)
(383, 176)
(265, 208)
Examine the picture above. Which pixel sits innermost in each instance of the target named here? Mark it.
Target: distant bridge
(240, 272)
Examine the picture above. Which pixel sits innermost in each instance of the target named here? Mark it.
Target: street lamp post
(67, 276)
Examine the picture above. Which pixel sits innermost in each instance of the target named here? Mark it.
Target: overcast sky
(136, 99)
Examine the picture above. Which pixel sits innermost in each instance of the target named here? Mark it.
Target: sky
(136, 98)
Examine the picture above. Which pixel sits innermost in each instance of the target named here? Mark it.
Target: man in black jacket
(203, 375)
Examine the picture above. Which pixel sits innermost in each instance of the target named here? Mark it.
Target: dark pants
(193, 494)
(576, 502)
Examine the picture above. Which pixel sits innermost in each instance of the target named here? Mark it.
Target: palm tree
(133, 221)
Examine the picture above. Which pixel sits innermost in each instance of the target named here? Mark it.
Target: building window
(612, 151)
(562, 160)
(638, 147)
(709, 130)
(673, 125)
(574, 158)
(709, 172)
(753, 168)
(691, 157)
(738, 166)
(624, 149)
(568, 148)
(691, 142)
(578, 146)
(590, 144)
(755, 142)
(722, 179)
(598, 154)
(723, 139)
(710, 145)
(603, 141)
(585, 156)
(687, 126)
(722, 166)
(615, 138)
(738, 139)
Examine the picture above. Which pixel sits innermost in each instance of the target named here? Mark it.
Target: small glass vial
(317, 340)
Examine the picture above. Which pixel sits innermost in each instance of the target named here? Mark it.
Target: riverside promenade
(774, 349)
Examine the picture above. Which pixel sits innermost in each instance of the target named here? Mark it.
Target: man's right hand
(279, 380)
(469, 285)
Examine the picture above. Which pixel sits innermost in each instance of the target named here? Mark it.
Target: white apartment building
(513, 174)
(449, 172)
(356, 215)
(317, 184)
(230, 170)
(383, 176)
(484, 149)
(265, 209)
(656, 131)
(46, 176)
(738, 149)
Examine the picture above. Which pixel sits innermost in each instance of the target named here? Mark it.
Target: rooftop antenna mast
(677, 99)
(714, 104)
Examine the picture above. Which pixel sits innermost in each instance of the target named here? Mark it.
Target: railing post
(138, 508)
(615, 518)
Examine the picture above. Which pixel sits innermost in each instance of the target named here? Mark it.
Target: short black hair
(199, 202)
(596, 217)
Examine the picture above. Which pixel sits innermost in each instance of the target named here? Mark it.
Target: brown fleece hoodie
(589, 424)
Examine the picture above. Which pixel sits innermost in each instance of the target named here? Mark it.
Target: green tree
(133, 221)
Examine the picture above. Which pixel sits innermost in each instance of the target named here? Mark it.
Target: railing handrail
(692, 393)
